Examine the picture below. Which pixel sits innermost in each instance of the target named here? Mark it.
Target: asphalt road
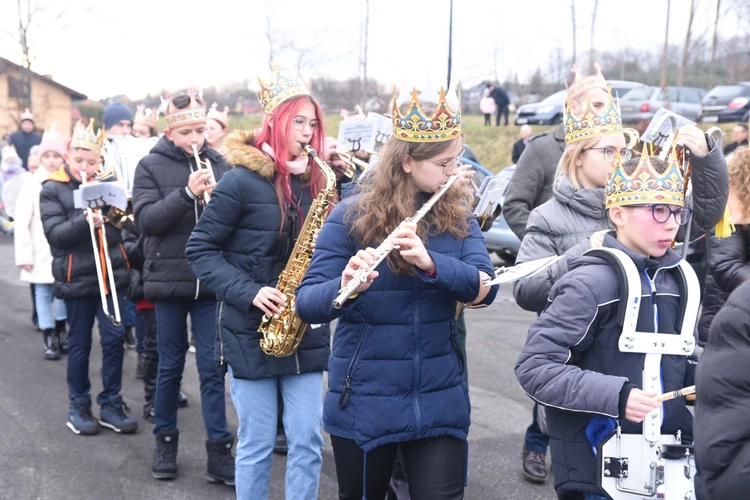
(41, 459)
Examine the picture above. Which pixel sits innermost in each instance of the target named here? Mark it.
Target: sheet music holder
(663, 127)
(490, 195)
(101, 194)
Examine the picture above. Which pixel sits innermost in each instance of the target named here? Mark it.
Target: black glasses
(448, 166)
(661, 213)
(611, 153)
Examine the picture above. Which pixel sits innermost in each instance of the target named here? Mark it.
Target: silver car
(639, 105)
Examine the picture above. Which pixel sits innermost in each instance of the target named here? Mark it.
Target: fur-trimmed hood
(241, 152)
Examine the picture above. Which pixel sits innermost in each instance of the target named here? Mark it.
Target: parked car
(500, 238)
(729, 102)
(550, 110)
(639, 105)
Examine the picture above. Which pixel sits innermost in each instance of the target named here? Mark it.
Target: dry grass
(492, 145)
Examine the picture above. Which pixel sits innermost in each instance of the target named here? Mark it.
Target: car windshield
(725, 91)
(556, 99)
(639, 94)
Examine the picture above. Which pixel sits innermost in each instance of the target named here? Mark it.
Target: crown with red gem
(646, 186)
(415, 125)
(147, 116)
(192, 114)
(589, 122)
(281, 88)
(84, 137)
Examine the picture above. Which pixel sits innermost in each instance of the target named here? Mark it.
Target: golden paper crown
(147, 116)
(417, 126)
(220, 116)
(646, 186)
(590, 122)
(85, 137)
(281, 88)
(192, 114)
(27, 115)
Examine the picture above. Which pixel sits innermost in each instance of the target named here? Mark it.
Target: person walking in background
(739, 138)
(520, 144)
(487, 105)
(502, 101)
(25, 138)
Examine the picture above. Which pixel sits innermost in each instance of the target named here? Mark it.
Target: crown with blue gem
(415, 125)
(646, 186)
(282, 87)
(589, 122)
(84, 137)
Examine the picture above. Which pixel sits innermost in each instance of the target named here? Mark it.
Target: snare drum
(675, 471)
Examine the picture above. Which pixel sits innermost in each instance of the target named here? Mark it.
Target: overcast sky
(137, 47)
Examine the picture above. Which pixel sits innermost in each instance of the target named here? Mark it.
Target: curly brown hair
(739, 179)
(389, 196)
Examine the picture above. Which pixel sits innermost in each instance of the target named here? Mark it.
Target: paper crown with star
(84, 137)
(220, 116)
(281, 88)
(415, 125)
(147, 116)
(589, 122)
(646, 186)
(193, 113)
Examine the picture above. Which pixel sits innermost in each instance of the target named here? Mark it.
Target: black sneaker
(280, 447)
(113, 414)
(140, 369)
(182, 400)
(129, 338)
(51, 344)
(148, 412)
(62, 335)
(220, 465)
(80, 419)
(165, 455)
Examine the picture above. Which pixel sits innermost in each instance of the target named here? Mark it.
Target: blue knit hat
(114, 113)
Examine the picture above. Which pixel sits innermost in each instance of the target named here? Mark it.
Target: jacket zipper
(346, 393)
(218, 331)
(70, 266)
(652, 289)
(127, 262)
(417, 361)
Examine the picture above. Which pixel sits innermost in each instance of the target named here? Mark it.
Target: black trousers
(150, 355)
(435, 468)
(501, 110)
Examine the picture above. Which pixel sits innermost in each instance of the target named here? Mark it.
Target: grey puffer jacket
(563, 225)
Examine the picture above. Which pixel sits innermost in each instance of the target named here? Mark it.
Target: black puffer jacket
(133, 244)
(722, 426)
(237, 248)
(166, 215)
(68, 233)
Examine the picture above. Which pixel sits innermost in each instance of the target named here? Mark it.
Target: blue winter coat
(396, 370)
(238, 247)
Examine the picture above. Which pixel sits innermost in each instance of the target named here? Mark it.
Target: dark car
(550, 111)
(729, 102)
(639, 105)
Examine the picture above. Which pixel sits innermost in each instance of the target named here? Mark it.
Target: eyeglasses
(448, 166)
(299, 123)
(611, 153)
(661, 213)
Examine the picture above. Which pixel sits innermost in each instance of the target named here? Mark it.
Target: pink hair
(276, 137)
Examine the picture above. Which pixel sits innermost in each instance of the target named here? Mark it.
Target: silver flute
(386, 247)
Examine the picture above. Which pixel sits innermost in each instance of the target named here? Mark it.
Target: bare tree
(686, 46)
(269, 34)
(665, 53)
(593, 26)
(714, 44)
(364, 41)
(573, 18)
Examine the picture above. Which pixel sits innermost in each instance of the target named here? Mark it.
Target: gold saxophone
(282, 332)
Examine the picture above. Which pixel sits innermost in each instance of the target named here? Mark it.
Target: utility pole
(450, 44)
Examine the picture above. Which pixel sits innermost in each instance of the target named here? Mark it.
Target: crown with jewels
(417, 126)
(84, 137)
(220, 116)
(147, 116)
(590, 122)
(646, 186)
(281, 88)
(192, 114)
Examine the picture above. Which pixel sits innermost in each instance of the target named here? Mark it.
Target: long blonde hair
(739, 181)
(389, 196)
(567, 165)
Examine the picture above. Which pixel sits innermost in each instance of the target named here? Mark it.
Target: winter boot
(62, 335)
(113, 414)
(165, 455)
(51, 345)
(220, 467)
(129, 338)
(80, 419)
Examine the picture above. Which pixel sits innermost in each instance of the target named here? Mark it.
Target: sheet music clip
(490, 193)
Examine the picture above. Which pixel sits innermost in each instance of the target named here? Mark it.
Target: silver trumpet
(207, 165)
(386, 247)
(116, 319)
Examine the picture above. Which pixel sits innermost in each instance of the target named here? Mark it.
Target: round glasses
(299, 123)
(661, 213)
(611, 153)
(448, 166)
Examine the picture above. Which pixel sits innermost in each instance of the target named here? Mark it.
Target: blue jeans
(128, 313)
(257, 405)
(535, 440)
(140, 332)
(172, 345)
(81, 315)
(44, 300)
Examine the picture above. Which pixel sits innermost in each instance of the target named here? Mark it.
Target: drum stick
(675, 394)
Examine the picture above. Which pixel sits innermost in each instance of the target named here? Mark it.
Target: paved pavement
(41, 459)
